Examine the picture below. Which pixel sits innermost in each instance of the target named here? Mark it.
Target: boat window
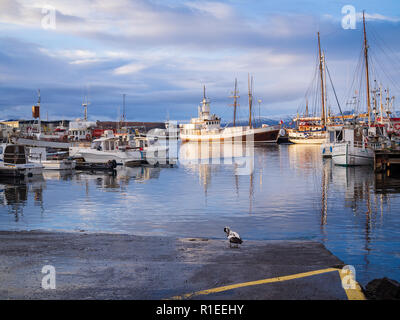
(14, 154)
(1, 150)
(96, 145)
(339, 135)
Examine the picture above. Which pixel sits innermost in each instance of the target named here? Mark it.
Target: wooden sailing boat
(354, 149)
(312, 130)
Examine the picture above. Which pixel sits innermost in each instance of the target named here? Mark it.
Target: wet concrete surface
(116, 266)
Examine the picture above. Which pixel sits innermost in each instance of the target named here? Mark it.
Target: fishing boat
(359, 140)
(154, 151)
(14, 162)
(207, 127)
(39, 155)
(353, 149)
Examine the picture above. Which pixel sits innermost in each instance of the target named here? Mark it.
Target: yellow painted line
(352, 294)
(254, 283)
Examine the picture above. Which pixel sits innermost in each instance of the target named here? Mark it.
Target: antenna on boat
(85, 104)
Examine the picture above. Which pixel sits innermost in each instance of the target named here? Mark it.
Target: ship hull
(263, 135)
(307, 140)
(94, 156)
(347, 155)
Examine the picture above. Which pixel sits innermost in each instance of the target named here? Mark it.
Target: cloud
(160, 53)
(129, 68)
(377, 17)
(218, 10)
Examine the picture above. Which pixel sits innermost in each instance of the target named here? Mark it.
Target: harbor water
(291, 193)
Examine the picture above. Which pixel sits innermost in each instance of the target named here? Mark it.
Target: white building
(81, 130)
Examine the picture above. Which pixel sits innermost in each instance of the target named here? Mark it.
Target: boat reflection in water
(14, 194)
(239, 155)
(123, 176)
(211, 158)
(63, 175)
(368, 196)
(304, 157)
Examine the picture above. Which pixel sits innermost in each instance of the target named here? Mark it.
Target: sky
(160, 53)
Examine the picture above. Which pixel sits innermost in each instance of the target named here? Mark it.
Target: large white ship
(207, 127)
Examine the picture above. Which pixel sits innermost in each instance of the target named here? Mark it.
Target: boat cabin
(12, 154)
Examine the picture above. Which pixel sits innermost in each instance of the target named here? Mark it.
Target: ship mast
(39, 121)
(322, 82)
(306, 107)
(123, 110)
(381, 103)
(250, 83)
(327, 109)
(235, 96)
(366, 70)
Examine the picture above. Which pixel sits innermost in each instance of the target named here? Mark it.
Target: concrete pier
(115, 266)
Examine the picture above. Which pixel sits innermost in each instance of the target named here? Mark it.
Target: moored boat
(207, 128)
(108, 148)
(39, 155)
(353, 149)
(14, 163)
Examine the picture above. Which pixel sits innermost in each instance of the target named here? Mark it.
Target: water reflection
(288, 192)
(387, 184)
(62, 175)
(356, 207)
(14, 194)
(208, 159)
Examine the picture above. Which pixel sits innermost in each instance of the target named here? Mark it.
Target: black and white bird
(233, 237)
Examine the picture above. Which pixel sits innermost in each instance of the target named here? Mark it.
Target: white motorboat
(108, 148)
(39, 155)
(154, 150)
(14, 163)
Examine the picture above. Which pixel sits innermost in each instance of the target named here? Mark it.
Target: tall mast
(367, 71)
(381, 103)
(235, 97)
(40, 121)
(250, 83)
(322, 82)
(123, 109)
(306, 107)
(327, 110)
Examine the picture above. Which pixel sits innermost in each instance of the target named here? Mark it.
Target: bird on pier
(233, 237)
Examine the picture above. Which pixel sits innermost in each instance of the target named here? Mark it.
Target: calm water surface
(292, 194)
